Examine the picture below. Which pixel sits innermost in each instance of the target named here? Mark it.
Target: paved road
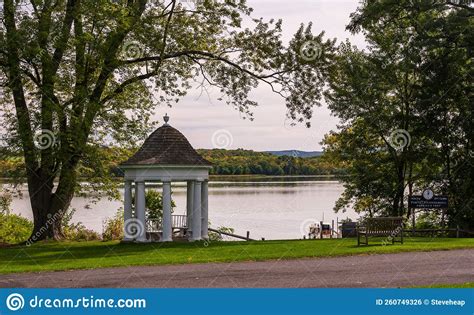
(389, 270)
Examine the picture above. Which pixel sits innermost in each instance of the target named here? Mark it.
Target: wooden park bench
(390, 227)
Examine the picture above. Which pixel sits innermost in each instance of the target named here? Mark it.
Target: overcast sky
(201, 117)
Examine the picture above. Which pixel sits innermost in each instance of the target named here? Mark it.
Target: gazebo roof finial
(166, 118)
(166, 146)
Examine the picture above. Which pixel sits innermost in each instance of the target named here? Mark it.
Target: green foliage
(428, 220)
(415, 76)
(225, 162)
(14, 229)
(246, 162)
(113, 227)
(98, 168)
(77, 231)
(5, 202)
(465, 285)
(154, 204)
(11, 166)
(214, 236)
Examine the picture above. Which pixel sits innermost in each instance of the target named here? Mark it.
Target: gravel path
(388, 270)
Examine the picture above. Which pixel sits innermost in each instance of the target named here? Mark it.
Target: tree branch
(126, 83)
(61, 42)
(109, 64)
(165, 33)
(15, 83)
(193, 53)
(458, 4)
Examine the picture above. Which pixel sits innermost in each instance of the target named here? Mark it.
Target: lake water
(280, 208)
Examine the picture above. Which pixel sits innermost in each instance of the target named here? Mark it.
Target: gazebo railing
(178, 221)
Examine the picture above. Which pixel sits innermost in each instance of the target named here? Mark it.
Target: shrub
(428, 220)
(214, 236)
(77, 231)
(14, 228)
(154, 204)
(5, 202)
(113, 227)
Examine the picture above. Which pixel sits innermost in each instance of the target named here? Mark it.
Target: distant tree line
(225, 162)
(247, 162)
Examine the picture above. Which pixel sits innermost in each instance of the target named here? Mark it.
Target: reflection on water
(275, 209)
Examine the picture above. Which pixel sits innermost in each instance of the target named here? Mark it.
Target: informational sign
(436, 202)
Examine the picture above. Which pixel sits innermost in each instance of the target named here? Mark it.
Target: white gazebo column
(127, 209)
(140, 211)
(167, 228)
(189, 207)
(204, 210)
(196, 236)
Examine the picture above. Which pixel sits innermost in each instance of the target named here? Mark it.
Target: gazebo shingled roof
(166, 146)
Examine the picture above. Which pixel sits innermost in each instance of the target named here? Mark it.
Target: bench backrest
(383, 224)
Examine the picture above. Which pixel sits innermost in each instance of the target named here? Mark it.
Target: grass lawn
(466, 285)
(87, 255)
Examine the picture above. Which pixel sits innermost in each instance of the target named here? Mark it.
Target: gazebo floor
(178, 236)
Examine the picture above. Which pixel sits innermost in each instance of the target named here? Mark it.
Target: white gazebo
(166, 156)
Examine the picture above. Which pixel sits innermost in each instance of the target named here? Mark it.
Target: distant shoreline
(237, 178)
(242, 175)
(273, 176)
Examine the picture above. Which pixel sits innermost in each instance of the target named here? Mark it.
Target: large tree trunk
(410, 193)
(397, 204)
(43, 164)
(49, 207)
(401, 190)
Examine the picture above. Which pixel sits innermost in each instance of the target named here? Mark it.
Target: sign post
(427, 200)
